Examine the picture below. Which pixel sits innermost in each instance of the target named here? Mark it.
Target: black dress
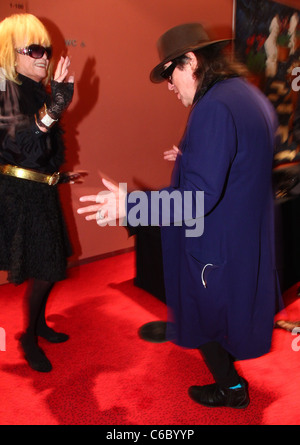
(33, 238)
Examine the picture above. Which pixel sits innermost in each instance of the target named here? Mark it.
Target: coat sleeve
(21, 141)
(209, 149)
(20, 138)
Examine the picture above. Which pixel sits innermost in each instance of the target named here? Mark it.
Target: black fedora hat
(178, 41)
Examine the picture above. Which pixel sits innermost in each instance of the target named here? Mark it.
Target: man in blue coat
(221, 282)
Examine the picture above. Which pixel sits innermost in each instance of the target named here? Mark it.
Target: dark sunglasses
(35, 51)
(167, 73)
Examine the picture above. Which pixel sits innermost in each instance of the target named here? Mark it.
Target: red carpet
(106, 375)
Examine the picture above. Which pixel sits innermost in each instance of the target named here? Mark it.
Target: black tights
(220, 363)
(35, 306)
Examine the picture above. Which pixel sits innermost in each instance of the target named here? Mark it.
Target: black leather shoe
(52, 336)
(34, 355)
(154, 332)
(215, 396)
(157, 331)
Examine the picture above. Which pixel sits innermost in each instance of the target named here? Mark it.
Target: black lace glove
(62, 94)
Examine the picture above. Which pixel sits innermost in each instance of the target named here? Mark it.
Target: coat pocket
(207, 266)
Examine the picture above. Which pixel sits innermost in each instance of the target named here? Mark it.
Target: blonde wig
(19, 31)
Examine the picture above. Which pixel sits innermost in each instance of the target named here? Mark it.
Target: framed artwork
(267, 41)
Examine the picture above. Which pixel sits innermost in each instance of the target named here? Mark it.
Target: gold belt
(31, 175)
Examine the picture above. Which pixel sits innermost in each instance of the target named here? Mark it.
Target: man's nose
(170, 86)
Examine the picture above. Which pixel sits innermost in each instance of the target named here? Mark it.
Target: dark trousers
(220, 363)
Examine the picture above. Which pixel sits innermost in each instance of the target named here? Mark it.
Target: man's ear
(193, 60)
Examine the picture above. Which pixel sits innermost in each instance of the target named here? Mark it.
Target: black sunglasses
(35, 51)
(167, 73)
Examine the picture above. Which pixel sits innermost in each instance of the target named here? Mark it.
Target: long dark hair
(213, 64)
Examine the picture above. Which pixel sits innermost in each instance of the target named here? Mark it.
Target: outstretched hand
(72, 177)
(110, 204)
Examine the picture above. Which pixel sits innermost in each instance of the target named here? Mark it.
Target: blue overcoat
(222, 286)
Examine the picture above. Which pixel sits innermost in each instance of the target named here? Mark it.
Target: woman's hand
(72, 177)
(171, 155)
(62, 94)
(62, 70)
(109, 207)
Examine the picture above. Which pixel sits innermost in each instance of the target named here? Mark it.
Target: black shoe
(215, 396)
(154, 332)
(34, 355)
(50, 335)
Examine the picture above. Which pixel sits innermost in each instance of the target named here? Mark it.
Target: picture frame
(267, 41)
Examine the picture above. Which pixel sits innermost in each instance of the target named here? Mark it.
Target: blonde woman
(34, 244)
